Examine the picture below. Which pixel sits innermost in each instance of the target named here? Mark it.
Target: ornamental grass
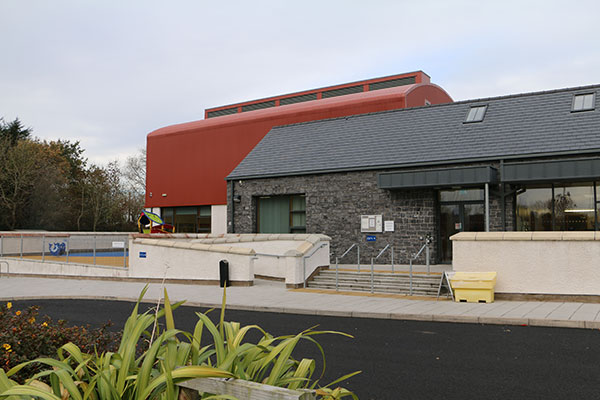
(150, 361)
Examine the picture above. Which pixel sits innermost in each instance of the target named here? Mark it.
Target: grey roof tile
(527, 124)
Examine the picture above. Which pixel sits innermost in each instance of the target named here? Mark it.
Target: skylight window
(583, 102)
(476, 114)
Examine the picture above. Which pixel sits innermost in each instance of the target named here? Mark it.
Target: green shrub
(24, 335)
(170, 357)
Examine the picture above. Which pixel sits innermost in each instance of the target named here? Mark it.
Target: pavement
(272, 296)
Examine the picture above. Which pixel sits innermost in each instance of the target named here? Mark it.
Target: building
(187, 163)
(520, 162)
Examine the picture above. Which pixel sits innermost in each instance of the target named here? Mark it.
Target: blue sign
(371, 238)
(142, 254)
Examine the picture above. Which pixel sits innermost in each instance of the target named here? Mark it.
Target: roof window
(583, 102)
(476, 114)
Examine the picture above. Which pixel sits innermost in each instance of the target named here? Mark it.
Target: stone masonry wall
(335, 202)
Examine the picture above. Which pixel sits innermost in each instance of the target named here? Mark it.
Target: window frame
(583, 96)
(474, 110)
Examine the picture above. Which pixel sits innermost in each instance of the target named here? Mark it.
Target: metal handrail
(426, 248)
(347, 251)
(304, 257)
(337, 263)
(372, 265)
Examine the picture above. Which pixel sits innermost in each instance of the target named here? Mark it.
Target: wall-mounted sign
(118, 245)
(388, 226)
(142, 254)
(371, 238)
(371, 223)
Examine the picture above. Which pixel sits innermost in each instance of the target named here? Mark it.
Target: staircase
(383, 282)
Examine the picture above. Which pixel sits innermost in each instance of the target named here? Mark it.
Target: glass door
(460, 210)
(449, 225)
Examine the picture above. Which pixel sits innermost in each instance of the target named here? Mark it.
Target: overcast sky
(106, 73)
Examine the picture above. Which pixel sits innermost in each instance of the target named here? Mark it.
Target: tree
(19, 170)
(135, 173)
(14, 131)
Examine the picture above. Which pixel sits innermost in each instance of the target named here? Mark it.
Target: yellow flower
(9, 305)
(31, 320)
(6, 346)
(18, 313)
(45, 324)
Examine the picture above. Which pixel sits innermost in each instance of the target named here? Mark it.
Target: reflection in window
(188, 219)
(565, 207)
(534, 210)
(574, 208)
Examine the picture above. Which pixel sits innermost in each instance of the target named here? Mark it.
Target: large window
(188, 219)
(559, 207)
(281, 214)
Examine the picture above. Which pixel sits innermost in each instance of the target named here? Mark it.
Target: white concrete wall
(186, 260)
(533, 262)
(218, 219)
(274, 255)
(16, 266)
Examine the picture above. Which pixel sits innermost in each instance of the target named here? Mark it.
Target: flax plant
(173, 356)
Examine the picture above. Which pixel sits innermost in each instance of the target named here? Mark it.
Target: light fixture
(588, 210)
(164, 195)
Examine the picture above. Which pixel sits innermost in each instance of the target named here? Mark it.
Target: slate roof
(517, 126)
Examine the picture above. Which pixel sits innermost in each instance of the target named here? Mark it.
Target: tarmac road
(411, 359)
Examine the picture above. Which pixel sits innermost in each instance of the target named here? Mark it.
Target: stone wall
(335, 202)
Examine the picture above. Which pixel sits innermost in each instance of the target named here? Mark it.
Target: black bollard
(224, 273)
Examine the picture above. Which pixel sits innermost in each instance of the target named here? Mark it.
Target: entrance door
(458, 217)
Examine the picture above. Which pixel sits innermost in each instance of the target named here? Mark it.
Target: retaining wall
(562, 263)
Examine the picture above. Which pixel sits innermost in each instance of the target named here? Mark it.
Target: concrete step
(422, 285)
(377, 289)
(378, 279)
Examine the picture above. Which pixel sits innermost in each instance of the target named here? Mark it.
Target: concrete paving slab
(522, 310)
(502, 308)
(565, 311)
(587, 312)
(543, 310)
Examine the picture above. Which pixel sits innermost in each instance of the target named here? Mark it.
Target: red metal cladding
(187, 163)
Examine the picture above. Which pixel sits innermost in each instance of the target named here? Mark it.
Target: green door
(274, 214)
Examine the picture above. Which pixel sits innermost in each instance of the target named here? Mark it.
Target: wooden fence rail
(240, 389)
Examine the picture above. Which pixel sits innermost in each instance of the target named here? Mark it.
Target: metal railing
(373, 263)
(337, 263)
(304, 257)
(426, 248)
(81, 248)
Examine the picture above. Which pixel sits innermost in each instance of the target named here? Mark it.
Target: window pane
(204, 211)
(167, 215)
(186, 210)
(185, 223)
(588, 101)
(534, 210)
(479, 114)
(298, 203)
(462, 195)
(574, 207)
(203, 224)
(298, 219)
(471, 114)
(578, 103)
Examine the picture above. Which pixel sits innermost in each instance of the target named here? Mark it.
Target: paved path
(274, 297)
